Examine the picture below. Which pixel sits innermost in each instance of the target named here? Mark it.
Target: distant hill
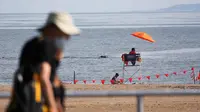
(182, 8)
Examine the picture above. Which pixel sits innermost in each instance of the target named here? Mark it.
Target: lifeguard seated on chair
(132, 57)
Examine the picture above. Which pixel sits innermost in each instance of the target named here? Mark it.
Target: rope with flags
(183, 73)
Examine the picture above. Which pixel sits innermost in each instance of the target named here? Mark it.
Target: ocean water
(177, 46)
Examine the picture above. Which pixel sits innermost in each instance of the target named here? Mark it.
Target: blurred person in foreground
(36, 85)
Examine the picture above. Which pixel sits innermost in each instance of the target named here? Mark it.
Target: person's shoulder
(28, 48)
(29, 45)
(30, 42)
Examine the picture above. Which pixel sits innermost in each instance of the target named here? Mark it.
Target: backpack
(26, 97)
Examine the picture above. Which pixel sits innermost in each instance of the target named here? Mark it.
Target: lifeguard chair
(133, 58)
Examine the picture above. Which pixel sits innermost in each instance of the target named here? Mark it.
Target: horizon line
(124, 12)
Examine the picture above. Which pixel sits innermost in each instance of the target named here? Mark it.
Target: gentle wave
(66, 57)
(146, 54)
(177, 51)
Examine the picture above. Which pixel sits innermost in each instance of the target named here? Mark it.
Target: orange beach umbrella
(143, 35)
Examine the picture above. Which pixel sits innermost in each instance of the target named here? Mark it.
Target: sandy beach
(127, 104)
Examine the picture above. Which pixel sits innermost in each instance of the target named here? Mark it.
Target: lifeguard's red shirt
(132, 52)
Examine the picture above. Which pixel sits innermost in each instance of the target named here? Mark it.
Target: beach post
(198, 77)
(194, 78)
(74, 77)
(123, 70)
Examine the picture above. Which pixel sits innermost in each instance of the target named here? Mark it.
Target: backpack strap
(37, 87)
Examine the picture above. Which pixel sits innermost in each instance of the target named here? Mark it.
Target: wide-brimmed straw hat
(63, 21)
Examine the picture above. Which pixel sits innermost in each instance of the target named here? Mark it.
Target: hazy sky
(43, 6)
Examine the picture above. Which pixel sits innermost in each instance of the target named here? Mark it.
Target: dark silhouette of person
(114, 79)
(133, 53)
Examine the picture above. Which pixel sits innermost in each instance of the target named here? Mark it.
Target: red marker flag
(122, 80)
(130, 80)
(102, 81)
(192, 68)
(185, 71)
(112, 81)
(75, 81)
(84, 81)
(93, 81)
(174, 73)
(157, 76)
(198, 76)
(148, 77)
